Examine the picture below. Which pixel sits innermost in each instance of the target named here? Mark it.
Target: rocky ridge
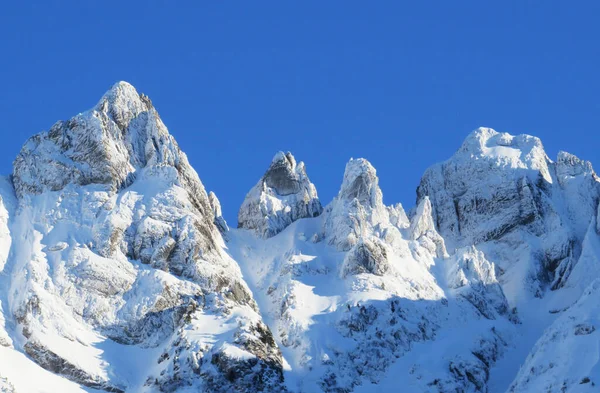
(120, 273)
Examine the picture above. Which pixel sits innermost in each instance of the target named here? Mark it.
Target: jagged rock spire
(398, 216)
(361, 183)
(422, 228)
(218, 214)
(358, 212)
(283, 195)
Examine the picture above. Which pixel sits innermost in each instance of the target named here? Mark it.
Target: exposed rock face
(492, 175)
(368, 256)
(120, 140)
(283, 195)
(218, 214)
(118, 239)
(500, 188)
(56, 364)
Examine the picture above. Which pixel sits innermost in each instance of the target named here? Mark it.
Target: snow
(118, 271)
(308, 301)
(283, 195)
(26, 376)
(118, 254)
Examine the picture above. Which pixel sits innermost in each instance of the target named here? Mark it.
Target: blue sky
(398, 83)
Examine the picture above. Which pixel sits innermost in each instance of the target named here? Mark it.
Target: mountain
(119, 279)
(120, 274)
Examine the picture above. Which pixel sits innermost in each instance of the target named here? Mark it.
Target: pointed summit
(123, 103)
(283, 195)
(106, 145)
(422, 222)
(358, 212)
(283, 175)
(422, 229)
(361, 182)
(120, 92)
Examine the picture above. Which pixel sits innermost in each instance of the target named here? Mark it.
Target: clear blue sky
(398, 83)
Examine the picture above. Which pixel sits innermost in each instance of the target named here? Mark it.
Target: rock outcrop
(284, 194)
(501, 189)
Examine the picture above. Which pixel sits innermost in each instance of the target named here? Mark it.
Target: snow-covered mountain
(120, 274)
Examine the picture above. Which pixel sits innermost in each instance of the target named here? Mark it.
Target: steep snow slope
(567, 356)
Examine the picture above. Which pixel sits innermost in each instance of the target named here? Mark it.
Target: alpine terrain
(120, 274)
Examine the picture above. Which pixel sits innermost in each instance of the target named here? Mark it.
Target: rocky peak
(284, 194)
(113, 145)
(398, 216)
(569, 165)
(484, 178)
(422, 229)
(361, 183)
(422, 220)
(123, 103)
(283, 175)
(147, 264)
(106, 145)
(358, 212)
(580, 188)
(504, 188)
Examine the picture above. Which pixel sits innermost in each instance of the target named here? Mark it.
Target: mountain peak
(360, 182)
(123, 103)
(358, 209)
(460, 187)
(284, 158)
(488, 143)
(577, 165)
(105, 145)
(284, 175)
(283, 195)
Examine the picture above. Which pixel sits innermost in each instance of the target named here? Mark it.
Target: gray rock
(284, 194)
